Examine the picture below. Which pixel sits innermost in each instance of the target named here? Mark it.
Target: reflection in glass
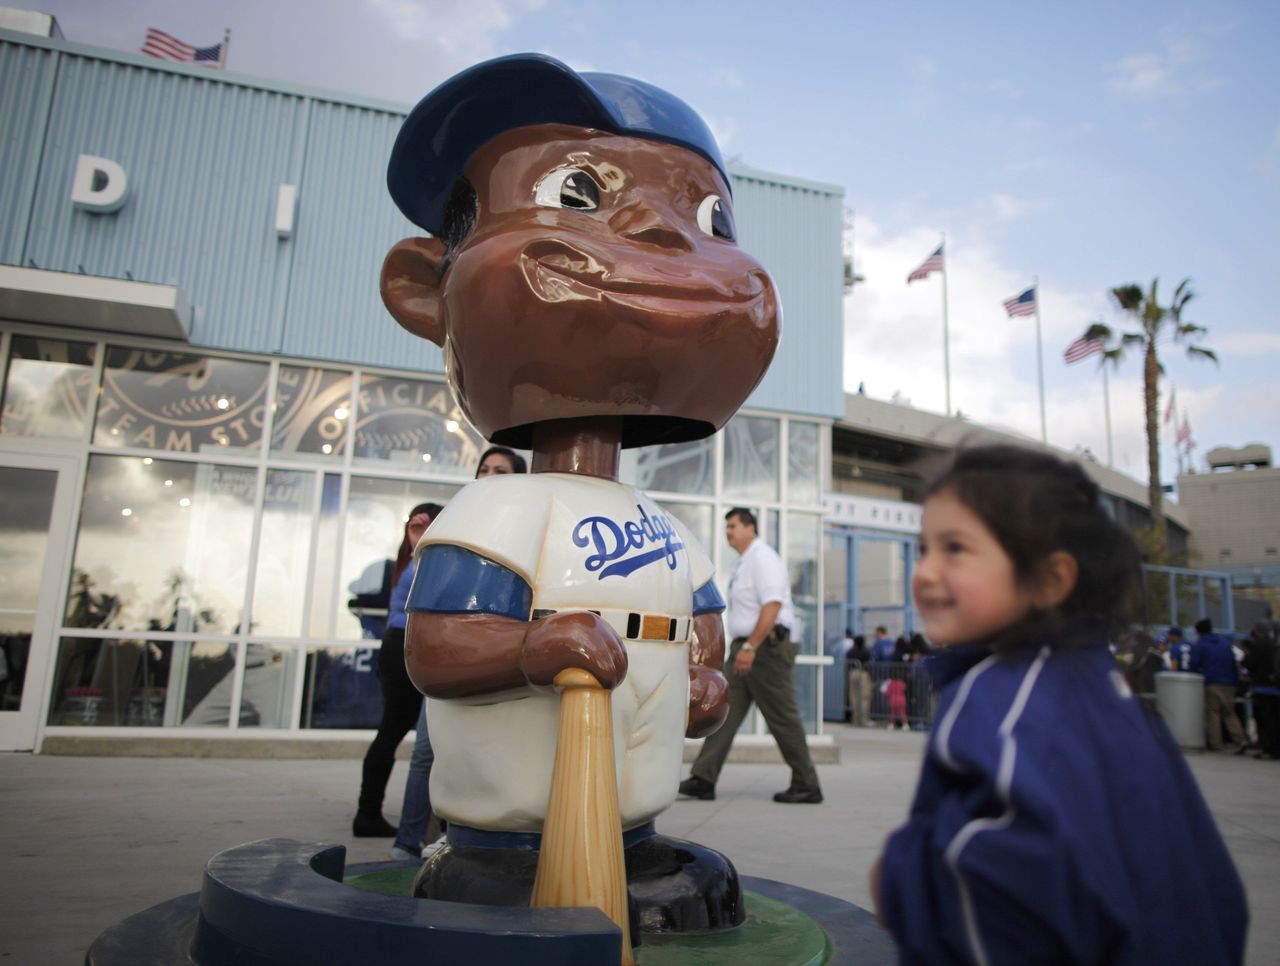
(881, 573)
(414, 424)
(376, 513)
(751, 458)
(340, 688)
(325, 560)
(804, 532)
(312, 412)
(181, 403)
(802, 463)
(131, 683)
(284, 551)
(24, 534)
(671, 467)
(266, 701)
(695, 516)
(48, 388)
(162, 546)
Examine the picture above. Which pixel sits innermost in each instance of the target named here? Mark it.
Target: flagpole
(946, 337)
(1106, 405)
(1035, 288)
(226, 46)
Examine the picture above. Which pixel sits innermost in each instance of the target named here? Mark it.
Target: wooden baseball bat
(580, 862)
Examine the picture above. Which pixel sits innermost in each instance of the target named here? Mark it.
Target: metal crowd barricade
(891, 693)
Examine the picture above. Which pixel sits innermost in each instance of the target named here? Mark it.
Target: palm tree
(1153, 323)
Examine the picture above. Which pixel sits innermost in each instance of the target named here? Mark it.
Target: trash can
(1180, 701)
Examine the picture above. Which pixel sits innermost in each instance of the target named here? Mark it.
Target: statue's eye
(713, 218)
(567, 188)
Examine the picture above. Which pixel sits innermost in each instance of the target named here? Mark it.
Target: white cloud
(1175, 67)
(893, 343)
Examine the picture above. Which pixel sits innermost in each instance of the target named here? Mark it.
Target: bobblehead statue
(584, 283)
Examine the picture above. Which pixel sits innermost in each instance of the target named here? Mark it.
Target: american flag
(167, 47)
(1024, 304)
(1082, 348)
(930, 265)
(1184, 431)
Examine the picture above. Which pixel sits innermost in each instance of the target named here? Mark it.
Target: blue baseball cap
(471, 108)
(1176, 630)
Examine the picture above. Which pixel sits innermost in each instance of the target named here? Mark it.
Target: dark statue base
(672, 885)
(279, 902)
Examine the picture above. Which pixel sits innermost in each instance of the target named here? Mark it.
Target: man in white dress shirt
(760, 666)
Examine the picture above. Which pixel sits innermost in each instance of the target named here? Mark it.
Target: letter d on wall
(100, 184)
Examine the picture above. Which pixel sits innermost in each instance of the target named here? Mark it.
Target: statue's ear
(411, 286)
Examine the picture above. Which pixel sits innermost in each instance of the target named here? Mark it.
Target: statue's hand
(708, 701)
(573, 639)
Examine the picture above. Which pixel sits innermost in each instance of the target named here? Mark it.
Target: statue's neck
(590, 446)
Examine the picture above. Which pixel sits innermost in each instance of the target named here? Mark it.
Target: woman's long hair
(405, 553)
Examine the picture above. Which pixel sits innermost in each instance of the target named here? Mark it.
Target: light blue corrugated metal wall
(794, 229)
(205, 155)
(203, 160)
(26, 83)
(346, 224)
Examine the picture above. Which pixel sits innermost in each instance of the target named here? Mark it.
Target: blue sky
(1087, 144)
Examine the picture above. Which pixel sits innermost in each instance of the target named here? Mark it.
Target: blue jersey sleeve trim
(454, 580)
(707, 599)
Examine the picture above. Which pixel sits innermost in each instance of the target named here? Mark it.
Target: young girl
(1054, 821)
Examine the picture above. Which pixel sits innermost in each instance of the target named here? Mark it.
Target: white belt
(636, 626)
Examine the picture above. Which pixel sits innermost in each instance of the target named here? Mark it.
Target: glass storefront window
(284, 553)
(802, 463)
(806, 678)
(881, 573)
(671, 468)
(325, 559)
(804, 536)
(162, 546)
(25, 514)
(698, 518)
(181, 403)
(751, 458)
(414, 425)
(266, 699)
(340, 688)
(131, 683)
(312, 412)
(48, 389)
(376, 513)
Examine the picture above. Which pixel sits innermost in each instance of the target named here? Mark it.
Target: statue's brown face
(602, 278)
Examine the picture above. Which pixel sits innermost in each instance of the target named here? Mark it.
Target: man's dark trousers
(771, 685)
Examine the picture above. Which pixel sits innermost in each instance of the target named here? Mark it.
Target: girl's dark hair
(406, 547)
(1035, 504)
(518, 464)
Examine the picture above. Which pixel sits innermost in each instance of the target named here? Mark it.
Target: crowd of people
(1241, 682)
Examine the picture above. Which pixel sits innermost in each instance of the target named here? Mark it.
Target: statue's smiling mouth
(559, 272)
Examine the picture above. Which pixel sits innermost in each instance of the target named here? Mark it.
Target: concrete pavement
(88, 841)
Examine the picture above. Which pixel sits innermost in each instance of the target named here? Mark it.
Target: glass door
(35, 521)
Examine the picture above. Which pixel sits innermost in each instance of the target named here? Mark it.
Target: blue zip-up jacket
(1051, 821)
(1213, 657)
